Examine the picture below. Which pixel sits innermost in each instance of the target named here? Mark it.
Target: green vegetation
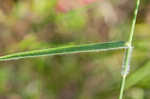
(126, 65)
(65, 31)
(66, 50)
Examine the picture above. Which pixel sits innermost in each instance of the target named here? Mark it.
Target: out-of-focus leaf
(74, 20)
(138, 75)
(4, 76)
(43, 7)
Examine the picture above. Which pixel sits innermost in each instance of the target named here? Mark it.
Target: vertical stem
(128, 53)
(122, 87)
(134, 22)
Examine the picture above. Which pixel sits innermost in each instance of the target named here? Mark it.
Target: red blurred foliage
(67, 5)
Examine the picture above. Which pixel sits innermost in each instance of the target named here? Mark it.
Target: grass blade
(138, 75)
(66, 50)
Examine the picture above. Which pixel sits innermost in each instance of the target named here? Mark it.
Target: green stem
(125, 71)
(126, 65)
(122, 87)
(134, 22)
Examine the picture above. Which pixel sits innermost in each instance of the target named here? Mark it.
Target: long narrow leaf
(138, 75)
(66, 50)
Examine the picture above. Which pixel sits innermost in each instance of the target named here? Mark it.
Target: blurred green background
(37, 24)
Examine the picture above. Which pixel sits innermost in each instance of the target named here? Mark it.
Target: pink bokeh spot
(60, 7)
(64, 6)
(88, 1)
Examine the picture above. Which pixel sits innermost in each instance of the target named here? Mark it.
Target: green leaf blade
(138, 75)
(66, 50)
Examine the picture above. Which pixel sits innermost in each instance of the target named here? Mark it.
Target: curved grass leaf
(66, 50)
(138, 75)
